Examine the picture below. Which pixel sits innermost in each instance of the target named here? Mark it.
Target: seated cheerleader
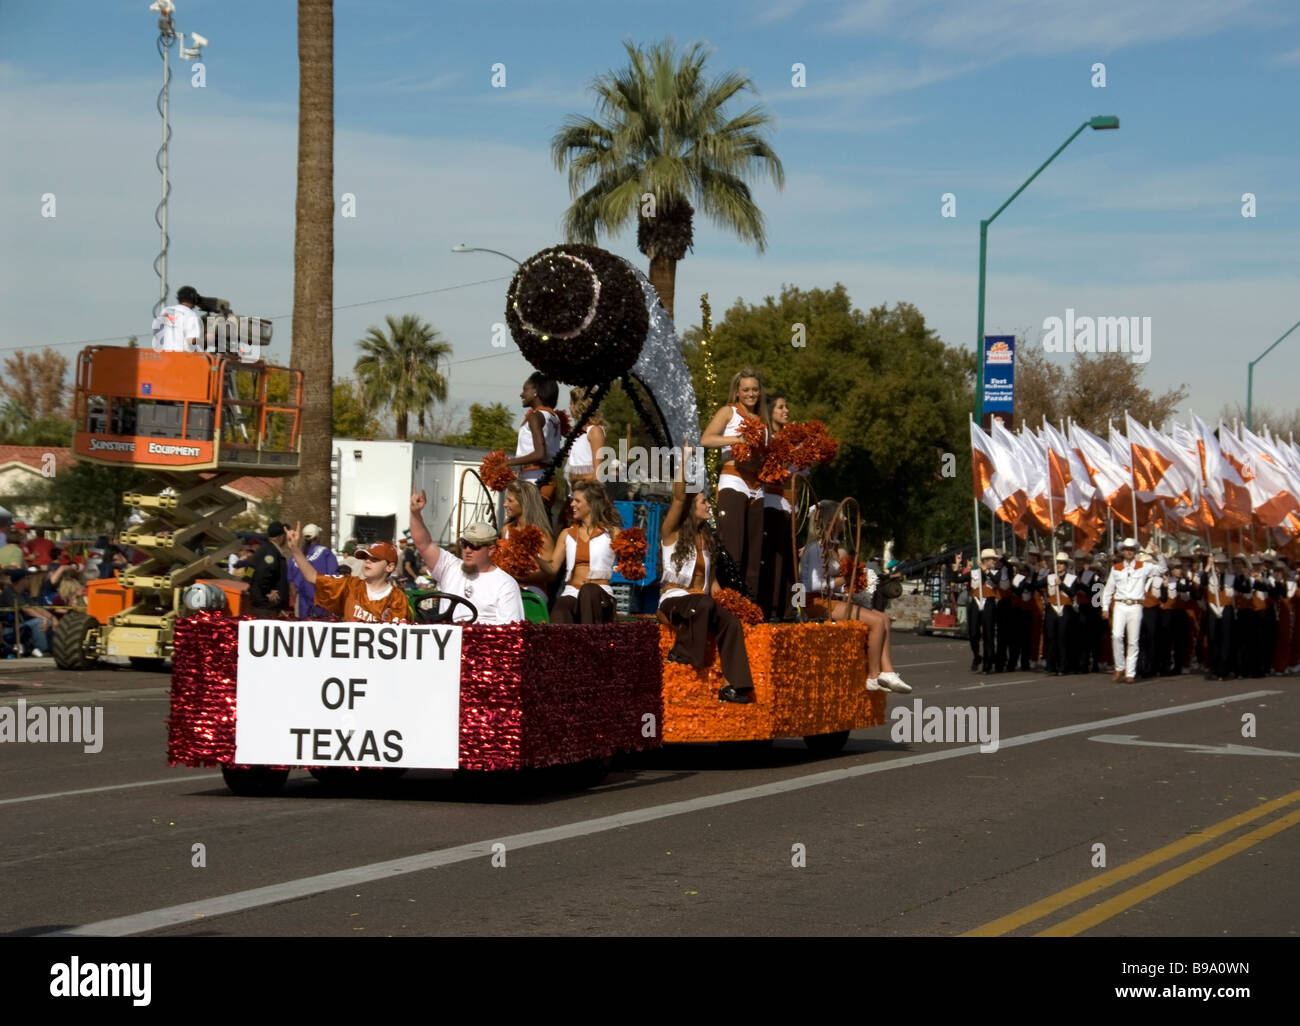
(685, 602)
(524, 508)
(589, 555)
(819, 570)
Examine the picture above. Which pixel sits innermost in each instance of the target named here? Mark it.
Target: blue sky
(904, 102)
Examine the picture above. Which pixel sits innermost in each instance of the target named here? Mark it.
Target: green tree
(352, 418)
(490, 427)
(88, 496)
(663, 132)
(399, 370)
(308, 492)
(890, 392)
(1091, 389)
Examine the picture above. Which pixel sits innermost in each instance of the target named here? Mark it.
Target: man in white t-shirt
(494, 592)
(178, 329)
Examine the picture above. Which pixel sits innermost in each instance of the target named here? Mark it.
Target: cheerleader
(581, 465)
(685, 602)
(524, 508)
(539, 433)
(589, 555)
(820, 575)
(740, 493)
(776, 578)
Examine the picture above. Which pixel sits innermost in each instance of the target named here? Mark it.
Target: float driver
(474, 576)
(370, 598)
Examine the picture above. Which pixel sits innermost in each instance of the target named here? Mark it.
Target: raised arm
(420, 536)
(536, 420)
(672, 521)
(291, 536)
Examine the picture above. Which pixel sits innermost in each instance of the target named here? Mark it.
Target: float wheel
(70, 635)
(826, 744)
(254, 781)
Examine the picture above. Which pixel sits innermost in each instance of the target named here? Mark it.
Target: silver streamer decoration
(661, 370)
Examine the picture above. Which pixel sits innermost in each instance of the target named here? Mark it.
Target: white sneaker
(895, 683)
(873, 684)
(37, 653)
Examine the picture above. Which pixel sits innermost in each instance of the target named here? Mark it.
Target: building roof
(256, 488)
(33, 456)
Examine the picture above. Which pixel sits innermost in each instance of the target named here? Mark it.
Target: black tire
(827, 744)
(149, 664)
(586, 774)
(254, 781)
(70, 641)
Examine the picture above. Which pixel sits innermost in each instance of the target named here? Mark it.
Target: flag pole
(976, 498)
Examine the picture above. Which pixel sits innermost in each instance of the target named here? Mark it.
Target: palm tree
(663, 132)
(400, 370)
(307, 494)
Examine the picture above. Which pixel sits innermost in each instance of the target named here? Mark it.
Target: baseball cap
(378, 550)
(311, 531)
(479, 533)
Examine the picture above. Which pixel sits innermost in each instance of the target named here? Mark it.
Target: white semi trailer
(372, 483)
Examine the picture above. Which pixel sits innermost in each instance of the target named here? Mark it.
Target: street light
(1250, 373)
(1100, 123)
(464, 248)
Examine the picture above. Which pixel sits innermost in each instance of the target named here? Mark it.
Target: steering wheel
(432, 616)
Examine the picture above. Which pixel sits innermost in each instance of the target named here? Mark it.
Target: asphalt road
(889, 838)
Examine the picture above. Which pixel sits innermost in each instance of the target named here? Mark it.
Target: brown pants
(591, 605)
(693, 617)
(740, 529)
(776, 575)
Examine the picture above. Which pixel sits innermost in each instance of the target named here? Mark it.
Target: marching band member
(981, 609)
(1220, 615)
(1126, 587)
(1059, 617)
(740, 492)
(1245, 635)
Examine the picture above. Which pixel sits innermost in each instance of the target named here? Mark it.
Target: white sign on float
(348, 694)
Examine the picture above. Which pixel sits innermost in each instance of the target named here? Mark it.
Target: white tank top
(550, 438)
(735, 482)
(581, 459)
(677, 582)
(600, 557)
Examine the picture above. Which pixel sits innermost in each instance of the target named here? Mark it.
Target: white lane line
(273, 894)
(1000, 684)
(78, 697)
(937, 662)
(110, 787)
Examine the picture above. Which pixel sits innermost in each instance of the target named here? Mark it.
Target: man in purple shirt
(323, 561)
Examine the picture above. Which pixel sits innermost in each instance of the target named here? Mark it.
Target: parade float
(261, 697)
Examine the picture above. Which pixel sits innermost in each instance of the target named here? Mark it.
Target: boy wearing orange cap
(370, 598)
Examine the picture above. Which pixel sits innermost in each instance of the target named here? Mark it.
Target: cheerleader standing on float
(524, 508)
(820, 573)
(581, 465)
(685, 602)
(776, 578)
(539, 433)
(589, 555)
(740, 493)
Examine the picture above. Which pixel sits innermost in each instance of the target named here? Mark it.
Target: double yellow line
(1100, 913)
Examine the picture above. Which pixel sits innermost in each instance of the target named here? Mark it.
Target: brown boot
(1117, 676)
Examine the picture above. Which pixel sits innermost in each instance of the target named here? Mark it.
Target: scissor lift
(195, 422)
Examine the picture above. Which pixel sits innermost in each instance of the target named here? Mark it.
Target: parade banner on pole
(348, 694)
(999, 377)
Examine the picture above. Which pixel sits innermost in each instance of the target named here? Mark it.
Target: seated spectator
(24, 622)
(371, 598)
(474, 576)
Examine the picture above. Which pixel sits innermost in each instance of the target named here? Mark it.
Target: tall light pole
(167, 34)
(1099, 123)
(1250, 373)
(463, 248)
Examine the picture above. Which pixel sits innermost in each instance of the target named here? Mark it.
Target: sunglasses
(472, 547)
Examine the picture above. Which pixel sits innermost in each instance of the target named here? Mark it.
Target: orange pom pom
(629, 553)
(753, 435)
(859, 578)
(494, 472)
(516, 553)
(738, 606)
